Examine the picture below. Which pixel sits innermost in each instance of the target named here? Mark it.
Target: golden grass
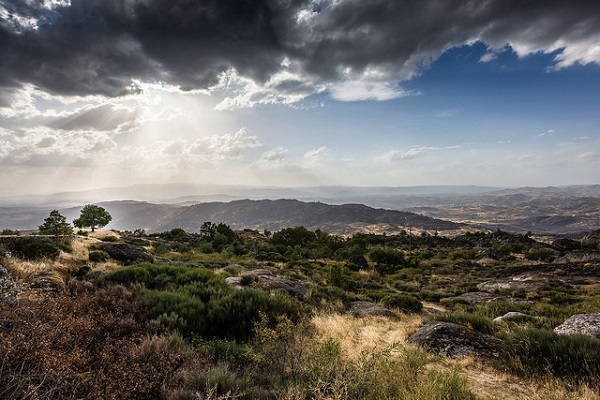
(100, 233)
(363, 334)
(105, 266)
(357, 335)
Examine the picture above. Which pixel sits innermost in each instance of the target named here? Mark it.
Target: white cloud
(277, 155)
(410, 154)
(357, 90)
(316, 154)
(489, 56)
(225, 146)
(284, 87)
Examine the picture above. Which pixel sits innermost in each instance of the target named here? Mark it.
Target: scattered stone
(295, 288)
(476, 297)
(513, 284)
(511, 315)
(124, 252)
(363, 308)
(265, 279)
(8, 289)
(583, 324)
(456, 341)
(235, 281)
(259, 272)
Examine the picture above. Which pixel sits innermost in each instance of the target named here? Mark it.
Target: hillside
(241, 214)
(297, 314)
(544, 210)
(278, 214)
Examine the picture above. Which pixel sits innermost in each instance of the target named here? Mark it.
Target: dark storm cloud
(98, 47)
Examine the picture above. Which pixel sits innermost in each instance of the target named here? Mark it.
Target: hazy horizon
(314, 93)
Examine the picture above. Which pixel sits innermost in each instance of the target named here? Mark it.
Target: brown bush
(95, 345)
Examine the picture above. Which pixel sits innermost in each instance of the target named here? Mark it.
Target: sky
(98, 93)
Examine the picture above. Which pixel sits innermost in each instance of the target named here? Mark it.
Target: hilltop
(243, 214)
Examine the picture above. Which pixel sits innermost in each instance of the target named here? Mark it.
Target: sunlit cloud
(410, 154)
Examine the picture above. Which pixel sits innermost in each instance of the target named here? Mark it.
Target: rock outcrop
(476, 297)
(265, 279)
(363, 308)
(512, 315)
(124, 252)
(8, 289)
(456, 341)
(514, 284)
(583, 324)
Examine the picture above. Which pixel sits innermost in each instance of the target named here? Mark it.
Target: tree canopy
(92, 216)
(56, 225)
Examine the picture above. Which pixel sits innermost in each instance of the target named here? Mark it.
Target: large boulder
(363, 308)
(513, 284)
(295, 288)
(583, 324)
(265, 279)
(456, 341)
(476, 297)
(512, 316)
(124, 252)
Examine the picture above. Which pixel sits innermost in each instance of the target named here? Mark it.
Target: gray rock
(362, 308)
(259, 272)
(456, 341)
(511, 315)
(514, 284)
(476, 297)
(295, 288)
(583, 324)
(265, 280)
(8, 289)
(124, 252)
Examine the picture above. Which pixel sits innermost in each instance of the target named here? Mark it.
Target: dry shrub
(90, 346)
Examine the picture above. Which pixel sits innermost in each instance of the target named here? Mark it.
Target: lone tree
(56, 225)
(92, 216)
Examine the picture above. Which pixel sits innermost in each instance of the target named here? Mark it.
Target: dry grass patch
(356, 335)
(488, 383)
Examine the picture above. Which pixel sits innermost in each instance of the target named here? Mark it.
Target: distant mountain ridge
(278, 214)
(241, 214)
(571, 210)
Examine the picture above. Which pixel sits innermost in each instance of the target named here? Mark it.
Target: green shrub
(177, 311)
(34, 247)
(540, 253)
(98, 256)
(473, 321)
(129, 275)
(10, 232)
(386, 269)
(81, 272)
(247, 280)
(404, 302)
(541, 352)
(110, 238)
(387, 255)
(233, 316)
(427, 295)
